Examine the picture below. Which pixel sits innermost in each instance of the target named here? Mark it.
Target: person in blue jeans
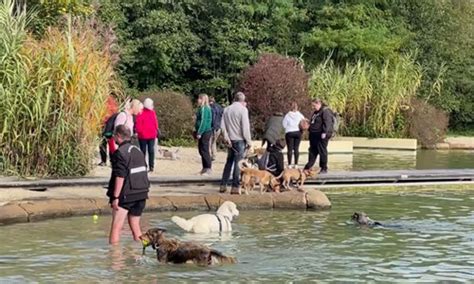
(235, 127)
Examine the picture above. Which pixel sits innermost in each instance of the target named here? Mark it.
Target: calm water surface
(432, 240)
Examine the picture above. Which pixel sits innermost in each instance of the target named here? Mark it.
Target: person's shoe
(234, 190)
(323, 171)
(102, 164)
(151, 170)
(206, 172)
(223, 189)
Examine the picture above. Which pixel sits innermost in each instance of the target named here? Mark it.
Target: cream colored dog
(208, 223)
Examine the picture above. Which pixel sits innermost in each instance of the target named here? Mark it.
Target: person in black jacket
(273, 130)
(320, 131)
(276, 163)
(128, 185)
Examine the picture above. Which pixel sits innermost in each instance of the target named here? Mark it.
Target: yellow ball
(95, 217)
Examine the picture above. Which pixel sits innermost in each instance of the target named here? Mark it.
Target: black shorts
(134, 208)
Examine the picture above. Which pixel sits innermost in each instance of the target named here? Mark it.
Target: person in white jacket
(291, 123)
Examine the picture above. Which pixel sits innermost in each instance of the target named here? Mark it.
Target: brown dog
(250, 176)
(174, 251)
(297, 175)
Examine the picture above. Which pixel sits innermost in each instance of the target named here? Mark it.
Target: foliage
(352, 31)
(175, 114)
(444, 37)
(426, 123)
(370, 98)
(178, 142)
(271, 85)
(53, 92)
(51, 12)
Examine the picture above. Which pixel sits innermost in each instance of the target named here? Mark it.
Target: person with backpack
(217, 111)
(128, 186)
(321, 129)
(146, 126)
(107, 133)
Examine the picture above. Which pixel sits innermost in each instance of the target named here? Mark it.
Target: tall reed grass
(53, 92)
(371, 98)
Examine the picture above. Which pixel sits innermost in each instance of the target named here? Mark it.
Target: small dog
(295, 175)
(360, 218)
(168, 154)
(208, 223)
(250, 176)
(174, 251)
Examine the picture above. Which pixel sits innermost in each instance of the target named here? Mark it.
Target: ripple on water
(429, 238)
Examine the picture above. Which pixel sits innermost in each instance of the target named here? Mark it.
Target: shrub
(271, 84)
(53, 92)
(369, 97)
(175, 114)
(427, 123)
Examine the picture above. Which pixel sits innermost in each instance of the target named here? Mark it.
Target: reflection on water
(401, 160)
(432, 240)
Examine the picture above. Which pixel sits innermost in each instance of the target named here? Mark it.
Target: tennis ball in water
(95, 217)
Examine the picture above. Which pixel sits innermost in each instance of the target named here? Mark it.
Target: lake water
(432, 239)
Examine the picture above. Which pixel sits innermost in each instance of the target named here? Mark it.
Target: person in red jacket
(146, 127)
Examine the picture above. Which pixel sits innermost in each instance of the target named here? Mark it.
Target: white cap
(148, 103)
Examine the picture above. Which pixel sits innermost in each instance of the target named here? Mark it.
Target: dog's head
(152, 238)
(228, 209)
(360, 218)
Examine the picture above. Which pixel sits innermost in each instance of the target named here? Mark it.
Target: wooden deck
(353, 177)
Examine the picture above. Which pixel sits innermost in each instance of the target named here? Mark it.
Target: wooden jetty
(342, 177)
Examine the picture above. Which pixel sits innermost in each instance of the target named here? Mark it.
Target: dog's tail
(222, 259)
(182, 223)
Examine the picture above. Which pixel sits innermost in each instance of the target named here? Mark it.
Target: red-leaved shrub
(426, 123)
(271, 85)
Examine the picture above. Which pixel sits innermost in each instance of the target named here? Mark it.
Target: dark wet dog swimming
(360, 218)
(174, 251)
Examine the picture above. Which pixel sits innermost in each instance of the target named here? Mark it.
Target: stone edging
(41, 209)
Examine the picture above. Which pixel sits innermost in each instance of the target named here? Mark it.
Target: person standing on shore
(147, 131)
(203, 130)
(126, 117)
(128, 186)
(273, 130)
(235, 127)
(107, 139)
(291, 123)
(216, 125)
(320, 131)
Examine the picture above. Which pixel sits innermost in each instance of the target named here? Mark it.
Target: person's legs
(313, 150)
(215, 136)
(118, 219)
(151, 153)
(296, 146)
(239, 148)
(227, 168)
(204, 150)
(134, 214)
(323, 152)
(289, 145)
(142, 143)
(103, 151)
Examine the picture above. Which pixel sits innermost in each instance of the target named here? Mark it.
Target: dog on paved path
(295, 175)
(250, 176)
(208, 223)
(174, 251)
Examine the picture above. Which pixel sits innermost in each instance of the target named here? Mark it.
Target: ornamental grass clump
(53, 92)
(371, 98)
